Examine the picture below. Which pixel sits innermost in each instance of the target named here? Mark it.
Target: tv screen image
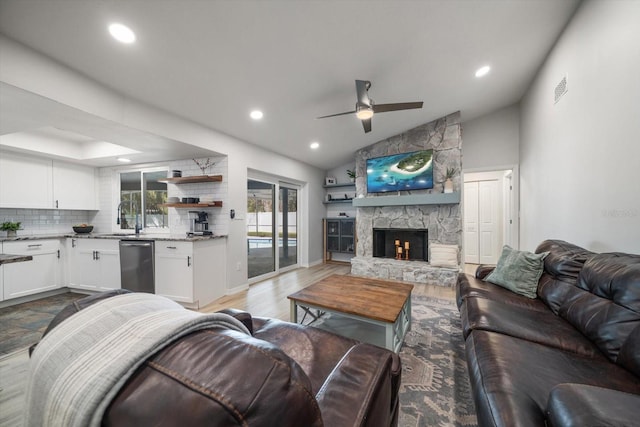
(400, 172)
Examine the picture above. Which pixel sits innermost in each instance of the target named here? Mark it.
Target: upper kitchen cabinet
(74, 186)
(39, 183)
(25, 182)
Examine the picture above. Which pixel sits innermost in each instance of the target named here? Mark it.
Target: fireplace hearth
(384, 243)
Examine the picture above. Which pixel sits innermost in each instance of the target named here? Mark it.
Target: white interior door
(471, 239)
(490, 221)
(486, 213)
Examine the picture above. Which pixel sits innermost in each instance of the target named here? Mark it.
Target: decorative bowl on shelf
(83, 229)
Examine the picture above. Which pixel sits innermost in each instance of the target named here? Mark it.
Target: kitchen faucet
(138, 226)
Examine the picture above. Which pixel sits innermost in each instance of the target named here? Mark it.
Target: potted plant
(352, 175)
(448, 184)
(10, 228)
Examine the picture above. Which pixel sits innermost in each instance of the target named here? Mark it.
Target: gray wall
(580, 158)
(492, 141)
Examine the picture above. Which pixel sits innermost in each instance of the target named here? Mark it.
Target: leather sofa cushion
(511, 378)
(565, 260)
(469, 286)
(629, 356)
(519, 322)
(251, 383)
(577, 405)
(315, 350)
(605, 306)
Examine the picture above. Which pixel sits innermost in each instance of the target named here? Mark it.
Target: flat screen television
(400, 172)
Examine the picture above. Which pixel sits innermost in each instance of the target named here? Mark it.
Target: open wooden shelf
(215, 204)
(192, 179)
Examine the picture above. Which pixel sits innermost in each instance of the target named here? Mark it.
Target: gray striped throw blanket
(80, 365)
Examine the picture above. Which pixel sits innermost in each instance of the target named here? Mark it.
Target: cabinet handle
(97, 255)
(58, 253)
(172, 247)
(73, 243)
(56, 204)
(35, 245)
(188, 261)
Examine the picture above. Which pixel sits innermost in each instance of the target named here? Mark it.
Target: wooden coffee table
(380, 302)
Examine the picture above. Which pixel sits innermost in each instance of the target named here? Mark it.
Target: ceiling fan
(365, 107)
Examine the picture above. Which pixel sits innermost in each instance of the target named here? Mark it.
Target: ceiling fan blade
(383, 108)
(362, 86)
(339, 114)
(366, 124)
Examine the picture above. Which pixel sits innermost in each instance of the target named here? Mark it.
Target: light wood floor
(267, 298)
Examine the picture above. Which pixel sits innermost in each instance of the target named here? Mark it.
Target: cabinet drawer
(164, 247)
(31, 247)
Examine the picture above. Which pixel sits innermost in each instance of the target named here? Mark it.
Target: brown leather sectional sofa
(284, 374)
(571, 356)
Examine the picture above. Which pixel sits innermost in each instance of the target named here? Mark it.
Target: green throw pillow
(518, 271)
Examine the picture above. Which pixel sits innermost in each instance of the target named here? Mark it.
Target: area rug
(22, 325)
(435, 388)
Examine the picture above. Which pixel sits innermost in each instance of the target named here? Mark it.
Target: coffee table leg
(293, 313)
(390, 335)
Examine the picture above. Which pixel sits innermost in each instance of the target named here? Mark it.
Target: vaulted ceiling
(213, 62)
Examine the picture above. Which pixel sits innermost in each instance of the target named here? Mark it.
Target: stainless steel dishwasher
(136, 265)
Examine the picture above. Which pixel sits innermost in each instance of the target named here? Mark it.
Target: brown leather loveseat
(282, 374)
(571, 356)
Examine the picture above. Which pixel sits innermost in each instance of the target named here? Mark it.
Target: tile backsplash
(44, 221)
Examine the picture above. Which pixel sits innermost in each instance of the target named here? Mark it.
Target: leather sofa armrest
(483, 271)
(573, 405)
(362, 390)
(241, 315)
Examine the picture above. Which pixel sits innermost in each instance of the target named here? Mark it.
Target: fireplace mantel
(409, 200)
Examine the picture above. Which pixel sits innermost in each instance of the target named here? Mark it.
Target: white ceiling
(214, 61)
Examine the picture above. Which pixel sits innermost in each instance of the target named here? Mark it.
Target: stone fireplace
(438, 215)
(410, 241)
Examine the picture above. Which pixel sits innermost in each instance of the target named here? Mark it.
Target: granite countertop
(115, 236)
(8, 258)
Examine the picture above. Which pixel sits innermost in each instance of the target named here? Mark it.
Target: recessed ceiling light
(123, 160)
(122, 33)
(256, 114)
(314, 145)
(483, 71)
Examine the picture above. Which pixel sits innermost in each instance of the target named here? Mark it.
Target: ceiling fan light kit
(365, 107)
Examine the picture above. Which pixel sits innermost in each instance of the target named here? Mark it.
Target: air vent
(561, 89)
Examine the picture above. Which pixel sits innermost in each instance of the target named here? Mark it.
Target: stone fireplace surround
(443, 221)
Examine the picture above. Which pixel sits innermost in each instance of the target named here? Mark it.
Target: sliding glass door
(288, 226)
(272, 228)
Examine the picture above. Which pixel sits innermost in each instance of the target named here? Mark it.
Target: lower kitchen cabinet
(43, 273)
(94, 264)
(192, 273)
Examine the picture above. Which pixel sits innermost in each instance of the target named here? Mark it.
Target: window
(141, 197)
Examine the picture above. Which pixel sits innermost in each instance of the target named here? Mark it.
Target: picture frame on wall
(330, 180)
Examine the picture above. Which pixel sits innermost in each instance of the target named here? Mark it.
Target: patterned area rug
(435, 388)
(23, 324)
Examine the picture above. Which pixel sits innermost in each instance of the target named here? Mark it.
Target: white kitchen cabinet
(39, 183)
(25, 181)
(43, 273)
(94, 264)
(192, 273)
(74, 186)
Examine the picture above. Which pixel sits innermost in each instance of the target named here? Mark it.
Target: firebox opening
(384, 242)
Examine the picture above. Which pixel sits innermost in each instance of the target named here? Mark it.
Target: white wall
(580, 158)
(26, 69)
(492, 141)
